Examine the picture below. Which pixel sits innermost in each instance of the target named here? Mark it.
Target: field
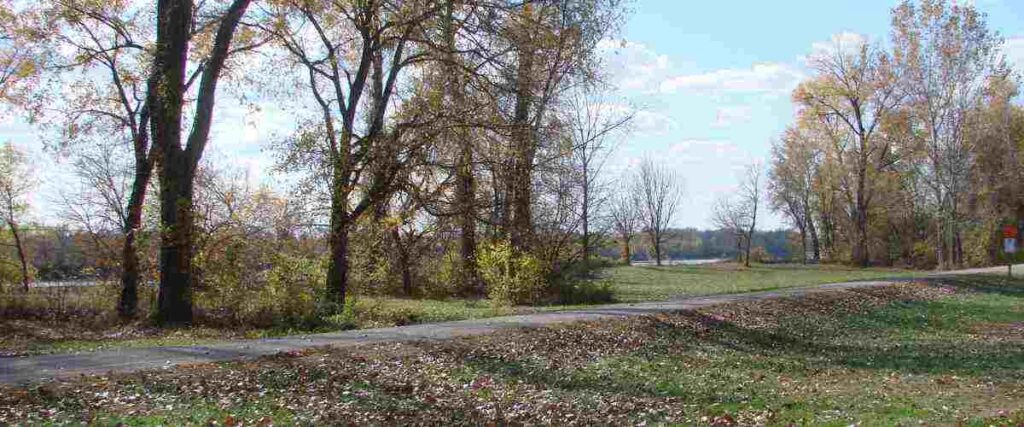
(942, 352)
(64, 320)
(635, 284)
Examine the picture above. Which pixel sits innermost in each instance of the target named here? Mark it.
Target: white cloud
(653, 123)
(731, 115)
(845, 41)
(766, 78)
(719, 154)
(633, 66)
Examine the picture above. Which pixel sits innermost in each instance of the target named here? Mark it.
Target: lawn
(950, 351)
(87, 332)
(634, 284)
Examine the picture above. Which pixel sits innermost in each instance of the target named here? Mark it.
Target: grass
(950, 351)
(89, 331)
(635, 284)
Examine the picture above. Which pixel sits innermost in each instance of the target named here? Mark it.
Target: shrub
(583, 291)
(441, 276)
(294, 288)
(510, 278)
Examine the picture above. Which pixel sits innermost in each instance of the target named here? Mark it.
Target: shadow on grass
(1002, 285)
(936, 337)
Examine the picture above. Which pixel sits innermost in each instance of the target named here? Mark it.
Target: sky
(710, 82)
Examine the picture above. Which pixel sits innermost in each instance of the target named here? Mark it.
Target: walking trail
(27, 369)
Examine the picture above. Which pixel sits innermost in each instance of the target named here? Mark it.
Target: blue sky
(710, 79)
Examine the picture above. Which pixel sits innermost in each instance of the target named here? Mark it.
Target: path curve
(28, 369)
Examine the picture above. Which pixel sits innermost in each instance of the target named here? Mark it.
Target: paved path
(27, 369)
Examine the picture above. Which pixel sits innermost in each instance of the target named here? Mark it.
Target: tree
(731, 218)
(550, 46)
(340, 70)
(946, 53)
(852, 95)
(660, 192)
(166, 99)
(15, 184)
(750, 193)
(593, 123)
(99, 50)
(791, 180)
(626, 219)
(21, 55)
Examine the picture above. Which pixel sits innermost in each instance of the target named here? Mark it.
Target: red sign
(1009, 231)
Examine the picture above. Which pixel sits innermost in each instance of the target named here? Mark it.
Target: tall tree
(750, 193)
(594, 124)
(625, 216)
(347, 51)
(853, 93)
(167, 89)
(946, 53)
(660, 192)
(731, 217)
(791, 180)
(99, 49)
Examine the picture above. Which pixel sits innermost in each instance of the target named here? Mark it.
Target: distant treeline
(62, 253)
(692, 243)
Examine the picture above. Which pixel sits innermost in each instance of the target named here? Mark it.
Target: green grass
(643, 283)
(382, 311)
(628, 283)
(949, 352)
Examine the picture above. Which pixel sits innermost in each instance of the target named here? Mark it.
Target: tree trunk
(586, 216)
(174, 302)
(520, 197)
(626, 255)
(166, 99)
(404, 267)
(739, 247)
(127, 305)
(815, 243)
(465, 200)
(860, 245)
(176, 190)
(657, 248)
(22, 258)
(337, 272)
(803, 243)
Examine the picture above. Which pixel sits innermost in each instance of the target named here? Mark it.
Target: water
(682, 261)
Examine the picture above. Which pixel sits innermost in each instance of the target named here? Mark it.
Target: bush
(582, 291)
(510, 278)
(295, 286)
(441, 276)
(978, 243)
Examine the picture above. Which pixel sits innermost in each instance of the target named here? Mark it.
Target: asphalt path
(28, 369)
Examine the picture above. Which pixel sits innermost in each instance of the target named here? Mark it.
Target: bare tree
(626, 219)
(730, 217)
(660, 192)
(594, 123)
(750, 193)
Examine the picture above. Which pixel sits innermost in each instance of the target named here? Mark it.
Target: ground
(946, 351)
(88, 332)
